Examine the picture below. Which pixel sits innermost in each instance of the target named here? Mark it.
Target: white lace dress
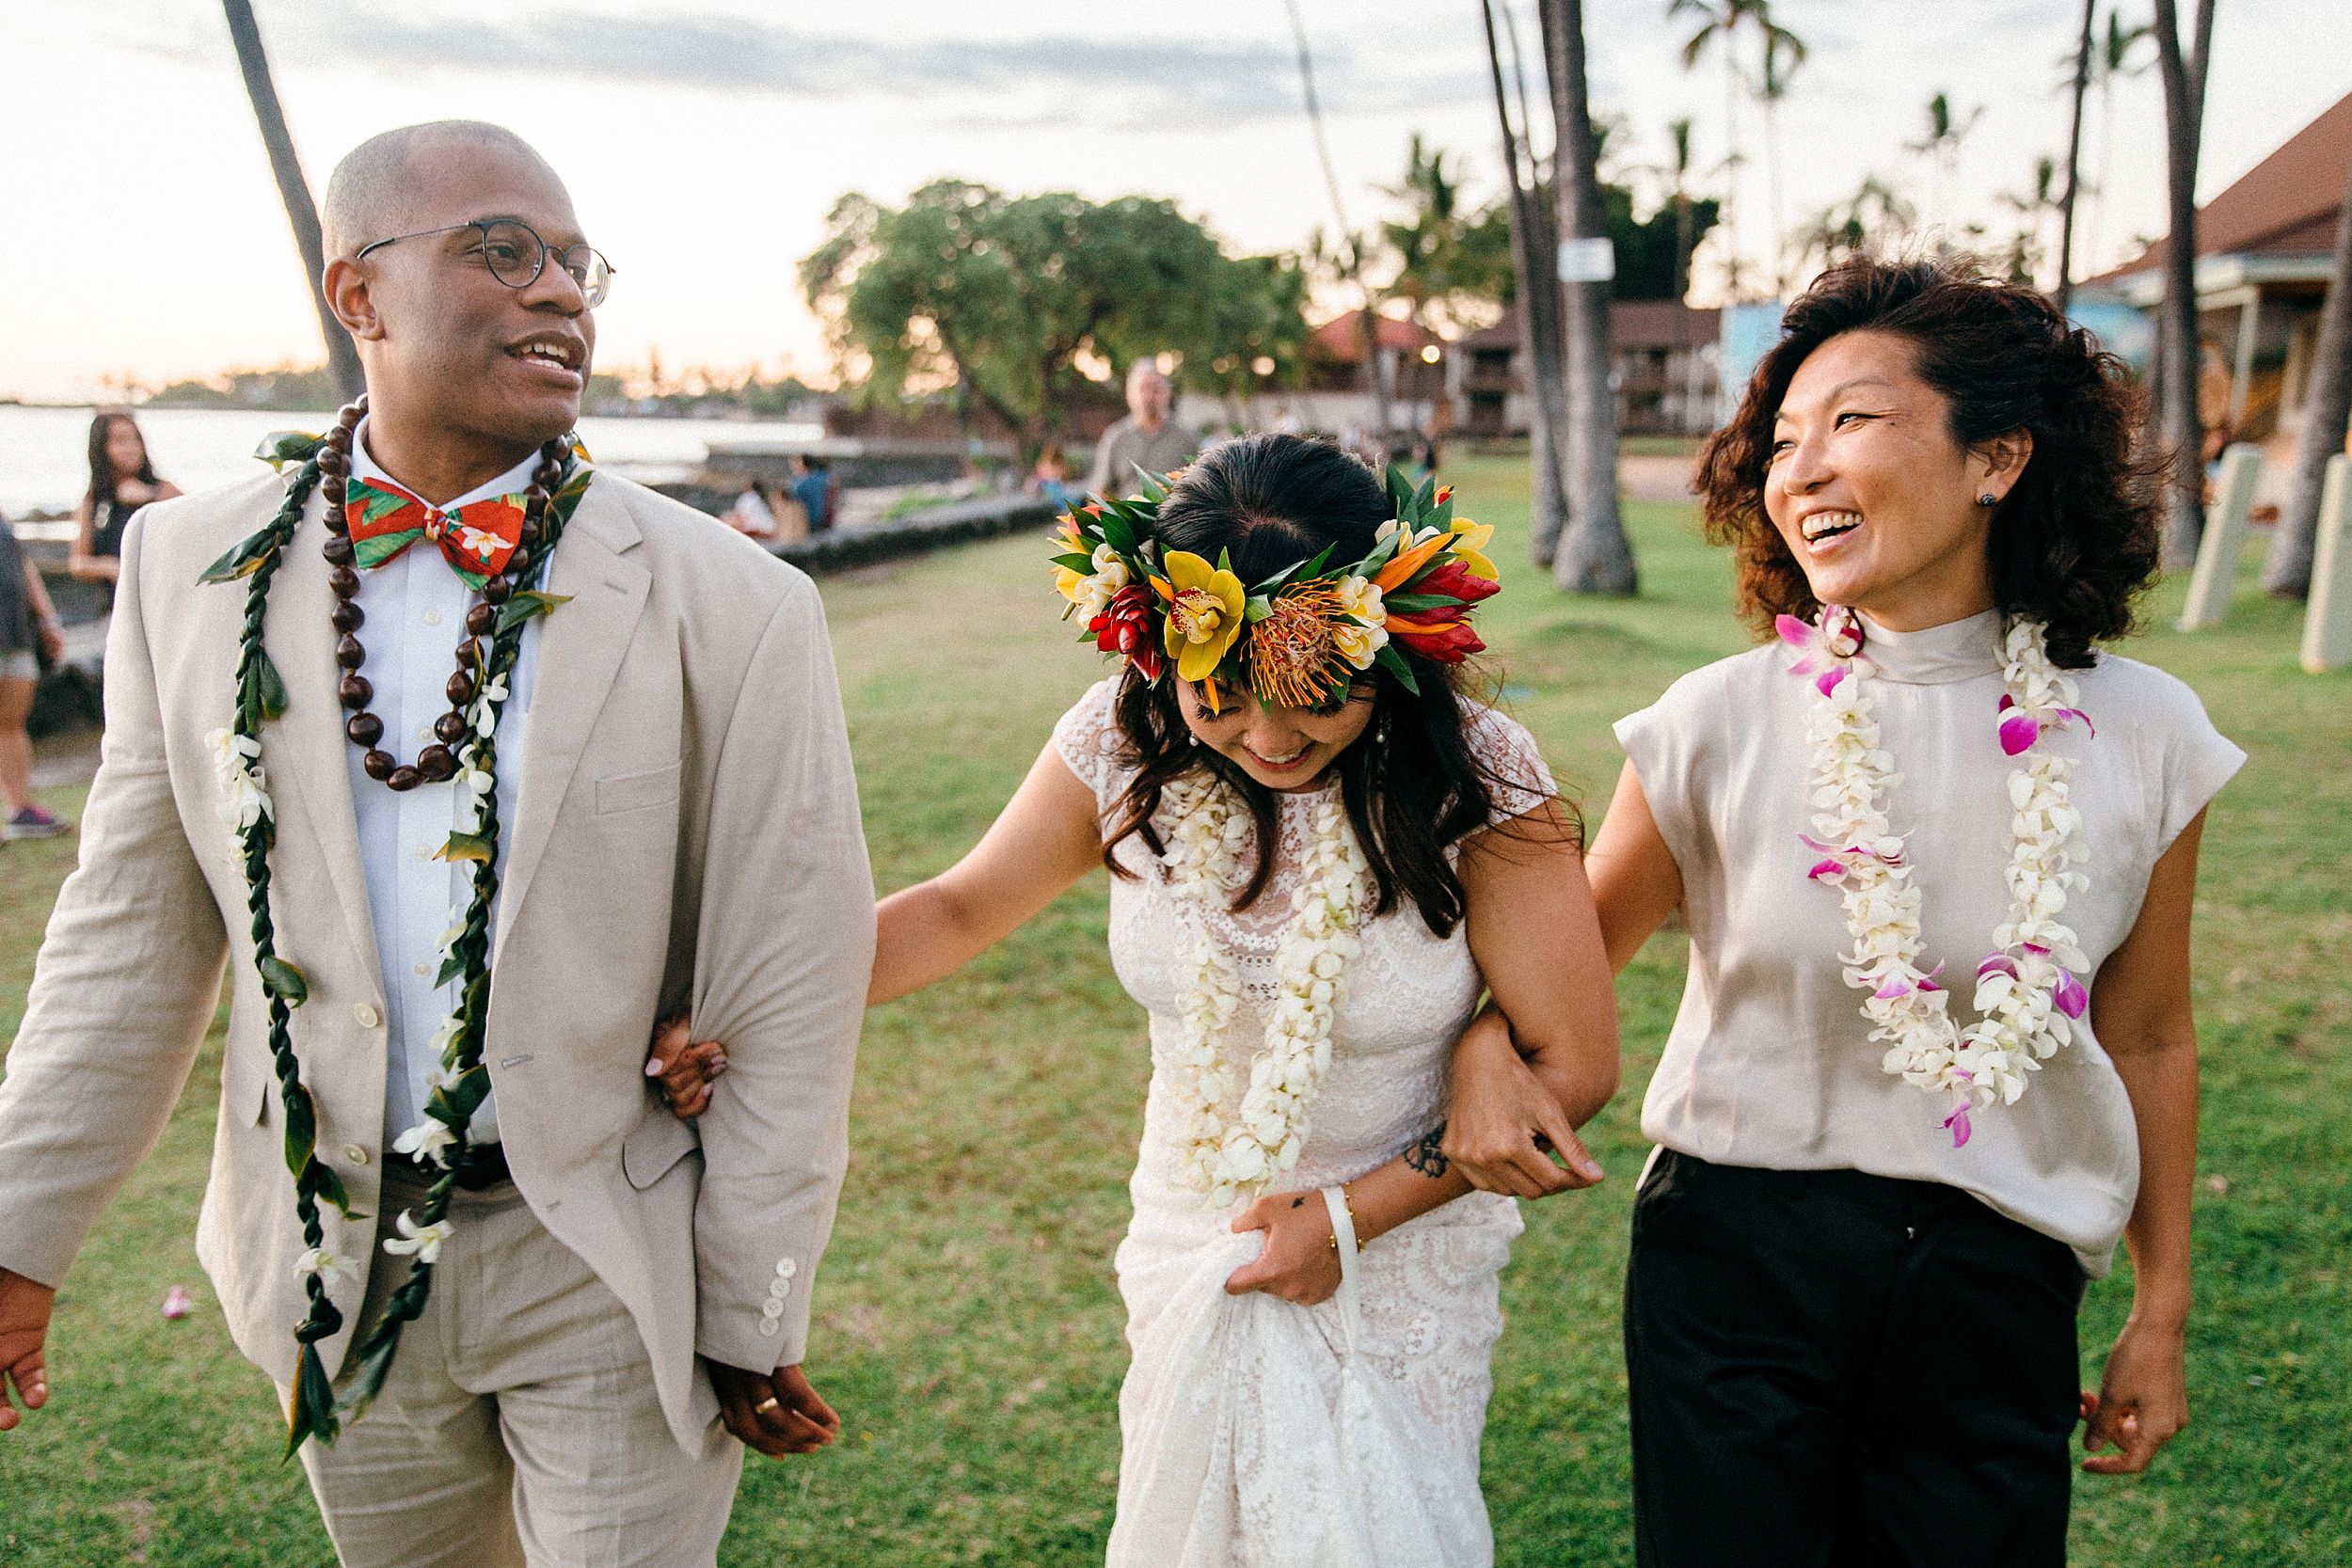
(1258, 1433)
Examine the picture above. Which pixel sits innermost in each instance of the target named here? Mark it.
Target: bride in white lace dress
(1291, 1400)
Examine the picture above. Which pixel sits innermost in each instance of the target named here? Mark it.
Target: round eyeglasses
(516, 255)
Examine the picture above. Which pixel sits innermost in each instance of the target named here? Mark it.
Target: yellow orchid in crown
(1469, 546)
(1205, 612)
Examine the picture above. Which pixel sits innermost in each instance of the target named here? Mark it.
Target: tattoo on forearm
(1428, 1156)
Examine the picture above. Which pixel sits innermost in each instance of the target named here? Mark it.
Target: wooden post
(2328, 623)
(2216, 575)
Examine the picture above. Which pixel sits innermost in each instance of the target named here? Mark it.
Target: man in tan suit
(611, 1288)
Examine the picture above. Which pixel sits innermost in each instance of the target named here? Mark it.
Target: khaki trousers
(519, 1428)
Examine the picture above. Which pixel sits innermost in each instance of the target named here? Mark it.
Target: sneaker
(33, 822)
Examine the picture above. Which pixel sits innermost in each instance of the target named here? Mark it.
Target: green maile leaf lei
(314, 1410)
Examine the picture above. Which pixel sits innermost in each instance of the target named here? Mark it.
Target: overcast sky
(705, 140)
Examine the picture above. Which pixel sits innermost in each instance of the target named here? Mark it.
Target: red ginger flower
(1125, 627)
(1443, 634)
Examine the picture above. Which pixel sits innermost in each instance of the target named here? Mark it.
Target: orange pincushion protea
(1291, 658)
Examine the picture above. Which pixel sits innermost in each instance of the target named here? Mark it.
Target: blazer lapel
(303, 752)
(581, 644)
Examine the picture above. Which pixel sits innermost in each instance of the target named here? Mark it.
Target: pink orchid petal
(2007, 702)
(2018, 731)
(1892, 989)
(1826, 868)
(1796, 633)
(2071, 998)
(1828, 678)
(2035, 948)
(1805, 666)
(2077, 713)
(1957, 1124)
(1927, 981)
(1820, 847)
(178, 1303)
(1998, 963)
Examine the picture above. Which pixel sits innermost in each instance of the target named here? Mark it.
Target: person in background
(1050, 477)
(751, 513)
(1147, 438)
(816, 492)
(122, 480)
(1423, 460)
(28, 639)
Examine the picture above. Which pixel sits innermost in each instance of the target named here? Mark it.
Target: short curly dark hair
(2074, 542)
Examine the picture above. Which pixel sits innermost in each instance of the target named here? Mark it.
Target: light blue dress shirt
(416, 608)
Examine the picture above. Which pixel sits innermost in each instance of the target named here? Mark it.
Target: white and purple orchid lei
(2028, 987)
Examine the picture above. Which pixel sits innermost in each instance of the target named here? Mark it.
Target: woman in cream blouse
(1859, 1248)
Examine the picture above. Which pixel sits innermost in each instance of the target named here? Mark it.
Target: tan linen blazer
(687, 829)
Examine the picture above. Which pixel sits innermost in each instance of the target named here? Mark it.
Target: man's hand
(776, 1413)
(24, 1329)
(2142, 1402)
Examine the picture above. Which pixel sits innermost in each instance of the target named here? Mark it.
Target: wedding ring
(763, 1407)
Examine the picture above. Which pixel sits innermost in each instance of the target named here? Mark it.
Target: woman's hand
(1300, 1264)
(2142, 1402)
(1503, 1124)
(687, 1070)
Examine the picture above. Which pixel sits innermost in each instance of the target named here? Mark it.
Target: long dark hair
(2076, 540)
(1411, 784)
(102, 478)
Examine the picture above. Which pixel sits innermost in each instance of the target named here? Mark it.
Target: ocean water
(44, 464)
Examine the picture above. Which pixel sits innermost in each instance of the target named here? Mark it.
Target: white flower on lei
(429, 1140)
(1228, 1152)
(326, 1263)
(237, 763)
(2026, 990)
(424, 1240)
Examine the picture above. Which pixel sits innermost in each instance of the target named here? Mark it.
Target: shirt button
(432, 617)
(424, 851)
(423, 968)
(354, 1153)
(366, 1017)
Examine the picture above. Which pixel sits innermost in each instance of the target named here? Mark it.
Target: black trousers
(1830, 1369)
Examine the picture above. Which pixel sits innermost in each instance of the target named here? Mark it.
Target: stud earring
(1988, 498)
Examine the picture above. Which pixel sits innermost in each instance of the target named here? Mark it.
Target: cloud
(969, 84)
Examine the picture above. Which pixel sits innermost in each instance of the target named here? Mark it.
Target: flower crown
(1300, 638)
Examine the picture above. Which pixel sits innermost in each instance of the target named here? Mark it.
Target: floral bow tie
(476, 539)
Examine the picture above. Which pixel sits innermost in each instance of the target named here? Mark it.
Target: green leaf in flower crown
(1083, 564)
(1256, 608)
(465, 1095)
(1393, 662)
(284, 981)
(1116, 532)
(466, 847)
(281, 446)
(452, 968)
(1413, 604)
(1400, 491)
(242, 559)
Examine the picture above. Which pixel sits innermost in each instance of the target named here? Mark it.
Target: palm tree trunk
(2327, 411)
(1595, 555)
(342, 360)
(1367, 331)
(1532, 250)
(2073, 161)
(2177, 346)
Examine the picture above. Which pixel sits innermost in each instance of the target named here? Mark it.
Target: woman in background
(28, 639)
(122, 480)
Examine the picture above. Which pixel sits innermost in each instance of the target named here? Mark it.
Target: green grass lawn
(968, 1326)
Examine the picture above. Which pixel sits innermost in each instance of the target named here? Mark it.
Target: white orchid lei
(1230, 1155)
(2028, 987)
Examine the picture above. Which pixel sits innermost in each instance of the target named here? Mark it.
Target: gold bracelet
(1334, 1237)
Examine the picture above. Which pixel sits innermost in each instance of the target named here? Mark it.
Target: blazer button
(366, 1016)
(772, 1309)
(771, 1326)
(355, 1154)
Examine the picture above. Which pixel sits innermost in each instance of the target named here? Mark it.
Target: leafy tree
(1446, 255)
(997, 297)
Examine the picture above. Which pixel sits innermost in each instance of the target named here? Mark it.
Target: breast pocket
(622, 792)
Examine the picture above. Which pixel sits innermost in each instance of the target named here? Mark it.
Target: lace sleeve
(1516, 776)
(1088, 738)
